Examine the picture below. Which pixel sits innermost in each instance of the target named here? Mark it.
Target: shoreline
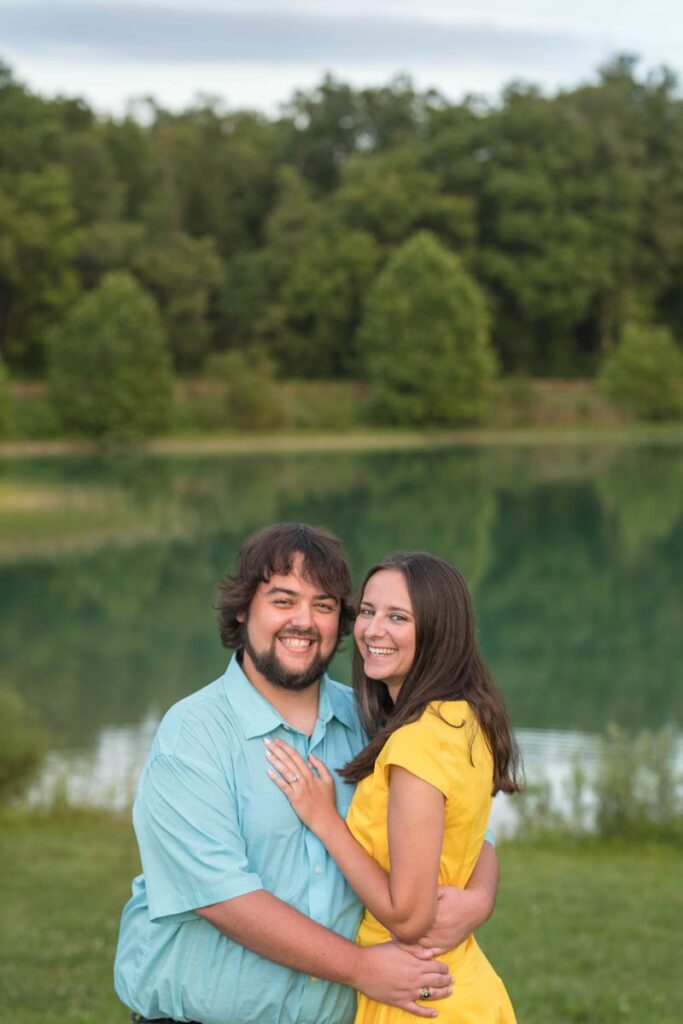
(353, 441)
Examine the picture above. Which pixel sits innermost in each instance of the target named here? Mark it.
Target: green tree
(37, 247)
(424, 338)
(644, 374)
(5, 400)
(109, 371)
(183, 274)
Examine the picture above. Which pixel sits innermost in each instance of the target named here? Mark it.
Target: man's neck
(298, 707)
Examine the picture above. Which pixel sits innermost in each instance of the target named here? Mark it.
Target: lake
(573, 553)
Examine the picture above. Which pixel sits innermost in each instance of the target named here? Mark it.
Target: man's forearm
(484, 880)
(276, 931)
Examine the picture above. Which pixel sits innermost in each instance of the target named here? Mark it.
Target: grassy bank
(203, 409)
(360, 440)
(583, 932)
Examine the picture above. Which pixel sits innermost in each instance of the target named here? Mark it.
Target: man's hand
(461, 911)
(391, 974)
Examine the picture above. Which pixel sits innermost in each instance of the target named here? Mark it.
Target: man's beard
(270, 666)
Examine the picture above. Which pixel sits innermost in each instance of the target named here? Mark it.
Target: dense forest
(250, 231)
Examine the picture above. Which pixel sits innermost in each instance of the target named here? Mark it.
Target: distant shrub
(644, 373)
(323, 404)
(22, 744)
(636, 787)
(250, 396)
(109, 365)
(5, 401)
(424, 339)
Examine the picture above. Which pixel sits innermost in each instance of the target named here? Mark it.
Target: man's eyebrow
(295, 593)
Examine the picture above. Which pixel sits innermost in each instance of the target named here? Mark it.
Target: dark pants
(137, 1018)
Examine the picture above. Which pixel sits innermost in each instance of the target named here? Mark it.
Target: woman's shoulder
(437, 723)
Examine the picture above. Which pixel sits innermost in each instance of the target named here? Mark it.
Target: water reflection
(106, 775)
(574, 556)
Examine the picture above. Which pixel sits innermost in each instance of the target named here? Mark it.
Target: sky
(255, 54)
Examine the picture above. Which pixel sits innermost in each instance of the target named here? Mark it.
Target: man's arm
(386, 973)
(461, 911)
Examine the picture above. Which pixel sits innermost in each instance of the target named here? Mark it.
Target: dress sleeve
(190, 844)
(420, 749)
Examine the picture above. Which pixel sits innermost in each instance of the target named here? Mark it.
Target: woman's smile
(385, 629)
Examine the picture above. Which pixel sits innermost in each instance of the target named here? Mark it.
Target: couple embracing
(271, 892)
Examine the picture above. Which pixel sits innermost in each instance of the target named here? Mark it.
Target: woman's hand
(310, 793)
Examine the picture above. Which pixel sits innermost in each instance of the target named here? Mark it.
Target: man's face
(291, 630)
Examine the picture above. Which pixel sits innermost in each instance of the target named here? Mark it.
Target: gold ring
(425, 993)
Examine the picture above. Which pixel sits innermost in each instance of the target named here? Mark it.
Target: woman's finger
(321, 768)
(280, 783)
(282, 761)
(294, 761)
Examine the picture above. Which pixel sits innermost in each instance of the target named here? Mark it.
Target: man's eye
(325, 607)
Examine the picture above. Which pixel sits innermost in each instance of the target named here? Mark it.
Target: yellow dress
(446, 748)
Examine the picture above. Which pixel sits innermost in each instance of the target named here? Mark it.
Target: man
(240, 916)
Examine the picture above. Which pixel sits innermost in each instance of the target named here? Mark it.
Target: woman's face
(385, 629)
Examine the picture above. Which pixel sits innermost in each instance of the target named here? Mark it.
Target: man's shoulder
(201, 711)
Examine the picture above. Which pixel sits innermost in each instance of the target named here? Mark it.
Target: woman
(440, 747)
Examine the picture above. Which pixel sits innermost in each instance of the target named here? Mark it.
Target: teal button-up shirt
(211, 826)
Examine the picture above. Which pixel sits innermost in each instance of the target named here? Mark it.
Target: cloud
(126, 32)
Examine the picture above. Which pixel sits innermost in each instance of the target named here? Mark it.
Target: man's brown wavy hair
(447, 666)
(272, 552)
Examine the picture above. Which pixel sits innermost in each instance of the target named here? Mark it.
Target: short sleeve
(417, 747)
(190, 844)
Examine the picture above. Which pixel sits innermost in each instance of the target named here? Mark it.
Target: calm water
(574, 556)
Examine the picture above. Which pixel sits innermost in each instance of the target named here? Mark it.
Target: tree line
(268, 234)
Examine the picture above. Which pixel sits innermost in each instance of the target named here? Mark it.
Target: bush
(22, 744)
(250, 397)
(637, 786)
(424, 339)
(109, 369)
(643, 374)
(5, 401)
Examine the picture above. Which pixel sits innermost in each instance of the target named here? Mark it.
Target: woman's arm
(405, 900)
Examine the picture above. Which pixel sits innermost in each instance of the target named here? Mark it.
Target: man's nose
(302, 616)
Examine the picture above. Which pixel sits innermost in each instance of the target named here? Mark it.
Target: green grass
(585, 931)
(589, 931)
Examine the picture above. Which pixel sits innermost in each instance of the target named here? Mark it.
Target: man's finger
(420, 1011)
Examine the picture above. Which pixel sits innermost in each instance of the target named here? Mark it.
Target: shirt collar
(258, 717)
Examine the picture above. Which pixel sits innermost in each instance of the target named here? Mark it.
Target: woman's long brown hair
(448, 666)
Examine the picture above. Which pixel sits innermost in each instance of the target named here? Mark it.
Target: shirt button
(317, 869)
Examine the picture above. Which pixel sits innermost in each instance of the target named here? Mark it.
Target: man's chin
(285, 676)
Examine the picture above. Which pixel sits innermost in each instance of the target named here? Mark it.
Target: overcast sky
(255, 54)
